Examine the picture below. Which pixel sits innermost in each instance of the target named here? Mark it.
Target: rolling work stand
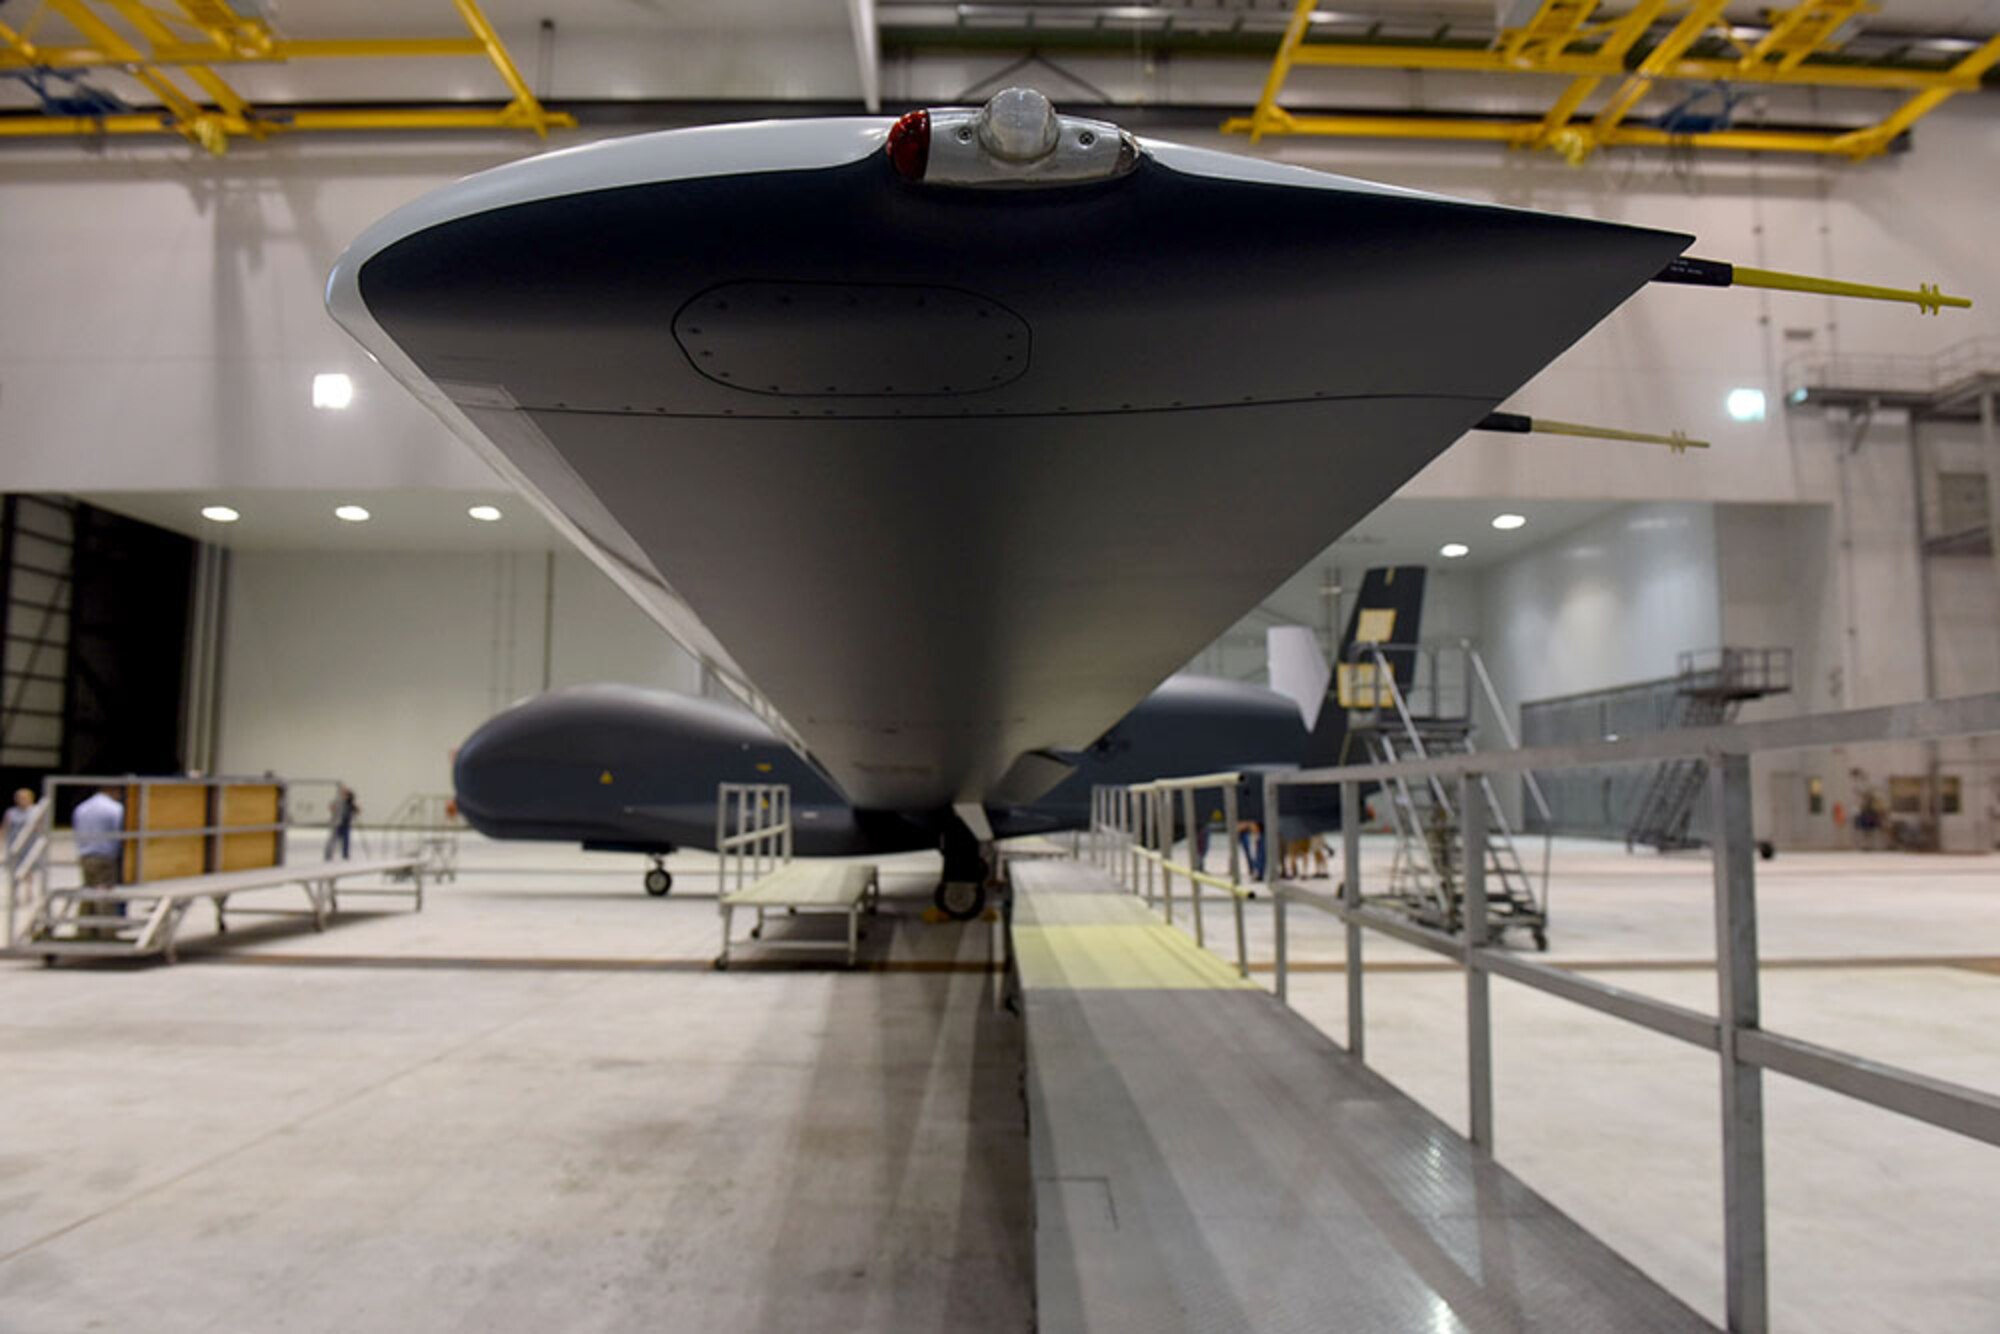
(1429, 717)
(1710, 686)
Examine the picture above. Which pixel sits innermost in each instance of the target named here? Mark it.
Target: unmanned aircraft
(942, 440)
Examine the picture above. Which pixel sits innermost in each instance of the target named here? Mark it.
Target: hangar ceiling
(1562, 75)
(305, 520)
(1402, 531)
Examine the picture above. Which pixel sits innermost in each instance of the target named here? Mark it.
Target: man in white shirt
(16, 828)
(98, 822)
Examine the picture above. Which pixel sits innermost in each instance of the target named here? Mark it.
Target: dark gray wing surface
(956, 475)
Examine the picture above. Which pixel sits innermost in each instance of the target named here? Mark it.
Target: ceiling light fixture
(219, 514)
(1745, 405)
(1509, 522)
(484, 513)
(332, 389)
(351, 513)
(1453, 550)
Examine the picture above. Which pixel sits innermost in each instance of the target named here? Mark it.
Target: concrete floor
(533, 1106)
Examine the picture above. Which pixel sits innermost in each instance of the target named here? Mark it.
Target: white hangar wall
(173, 307)
(371, 667)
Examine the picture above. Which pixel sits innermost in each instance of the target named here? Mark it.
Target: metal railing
(32, 862)
(426, 825)
(1133, 836)
(1916, 376)
(1735, 1032)
(1734, 671)
(753, 833)
(29, 841)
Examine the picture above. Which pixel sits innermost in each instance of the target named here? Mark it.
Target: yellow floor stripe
(1117, 957)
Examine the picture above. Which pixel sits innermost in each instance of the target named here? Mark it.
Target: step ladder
(1426, 878)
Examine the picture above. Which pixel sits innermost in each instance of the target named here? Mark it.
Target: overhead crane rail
(1801, 47)
(165, 50)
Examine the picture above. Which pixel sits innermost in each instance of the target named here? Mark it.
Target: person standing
(99, 823)
(15, 837)
(345, 808)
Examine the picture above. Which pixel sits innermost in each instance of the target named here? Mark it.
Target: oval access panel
(851, 340)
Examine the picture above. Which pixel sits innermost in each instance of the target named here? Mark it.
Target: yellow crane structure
(1798, 47)
(174, 51)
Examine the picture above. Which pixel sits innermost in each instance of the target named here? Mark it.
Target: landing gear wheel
(1766, 849)
(961, 900)
(1541, 940)
(658, 881)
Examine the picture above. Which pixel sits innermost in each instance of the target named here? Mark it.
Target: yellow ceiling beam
(153, 122)
(1700, 17)
(1524, 133)
(1561, 39)
(1876, 138)
(1800, 31)
(188, 118)
(1552, 27)
(1619, 39)
(1826, 75)
(234, 38)
(183, 53)
(230, 31)
(496, 51)
(1281, 66)
(148, 25)
(1604, 64)
(1355, 55)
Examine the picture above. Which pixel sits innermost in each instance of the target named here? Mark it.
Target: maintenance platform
(1205, 1159)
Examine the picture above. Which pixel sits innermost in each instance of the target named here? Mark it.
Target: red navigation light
(910, 144)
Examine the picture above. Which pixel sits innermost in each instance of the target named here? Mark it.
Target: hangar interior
(236, 545)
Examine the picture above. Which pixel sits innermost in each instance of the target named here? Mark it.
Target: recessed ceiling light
(219, 514)
(332, 389)
(484, 513)
(1505, 522)
(1745, 405)
(351, 513)
(1453, 550)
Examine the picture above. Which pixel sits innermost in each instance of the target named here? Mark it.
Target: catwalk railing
(1735, 1032)
(1133, 838)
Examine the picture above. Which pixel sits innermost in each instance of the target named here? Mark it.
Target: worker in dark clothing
(345, 808)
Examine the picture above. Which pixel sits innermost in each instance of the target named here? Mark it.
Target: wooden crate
(248, 804)
(168, 855)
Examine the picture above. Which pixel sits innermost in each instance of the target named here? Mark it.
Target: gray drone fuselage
(623, 768)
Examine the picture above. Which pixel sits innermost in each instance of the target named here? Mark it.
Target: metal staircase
(1711, 685)
(1426, 879)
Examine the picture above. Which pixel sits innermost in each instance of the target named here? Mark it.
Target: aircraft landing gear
(961, 893)
(961, 900)
(659, 879)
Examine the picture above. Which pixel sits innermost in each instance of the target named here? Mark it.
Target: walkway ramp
(1205, 1160)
